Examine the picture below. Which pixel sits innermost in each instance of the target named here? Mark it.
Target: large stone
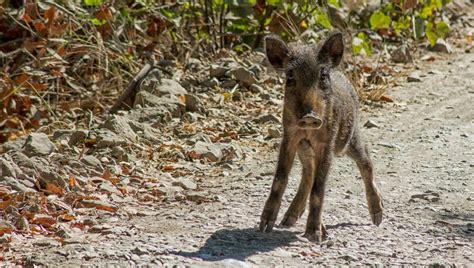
(78, 136)
(92, 161)
(15, 184)
(442, 47)
(14, 145)
(209, 151)
(402, 54)
(169, 87)
(107, 138)
(243, 75)
(217, 70)
(38, 144)
(169, 104)
(414, 77)
(267, 118)
(120, 126)
(9, 168)
(185, 183)
(193, 103)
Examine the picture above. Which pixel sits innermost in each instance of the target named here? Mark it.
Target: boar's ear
(332, 50)
(277, 51)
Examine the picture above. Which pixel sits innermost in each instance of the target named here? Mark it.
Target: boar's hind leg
(296, 209)
(285, 161)
(315, 230)
(361, 156)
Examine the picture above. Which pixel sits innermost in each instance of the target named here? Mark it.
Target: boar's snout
(310, 121)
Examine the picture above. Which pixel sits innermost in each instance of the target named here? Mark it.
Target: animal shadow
(240, 243)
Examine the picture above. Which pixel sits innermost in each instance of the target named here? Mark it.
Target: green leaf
(442, 29)
(418, 27)
(93, 2)
(431, 33)
(402, 23)
(98, 22)
(322, 18)
(273, 2)
(334, 3)
(378, 20)
(360, 45)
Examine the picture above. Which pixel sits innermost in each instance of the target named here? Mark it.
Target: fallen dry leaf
(43, 220)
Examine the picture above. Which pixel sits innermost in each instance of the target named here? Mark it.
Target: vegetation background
(63, 56)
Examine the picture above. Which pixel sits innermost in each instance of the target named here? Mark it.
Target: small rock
(217, 70)
(207, 150)
(185, 183)
(78, 136)
(92, 161)
(169, 87)
(267, 118)
(237, 96)
(414, 77)
(229, 84)
(107, 138)
(38, 144)
(15, 184)
(102, 228)
(140, 251)
(192, 117)
(109, 188)
(74, 240)
(6, 227)
(14, 145)
(22, 224)
(120, 126)
(274, 133)
(193, 104)
(5, 238)
(118, 152)
(193, 64)
(211, 82)
(46, 243)
(63, 234)
(370, 124)
(164, 106)
(441, 46)
(61, 134)
(8, 168)
(254, 88)
(402, 54)
(99, 204)
(243, 75)
(197, 197)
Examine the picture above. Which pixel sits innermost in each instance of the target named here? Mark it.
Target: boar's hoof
(317, 236)
(288, 220)
(266, 225)
(376, 211)
(377, 218)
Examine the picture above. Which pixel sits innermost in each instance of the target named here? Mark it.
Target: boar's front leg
(315, 229)
(307, 159)
(285, 161)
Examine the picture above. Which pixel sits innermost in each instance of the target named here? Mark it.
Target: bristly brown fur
(319, 121)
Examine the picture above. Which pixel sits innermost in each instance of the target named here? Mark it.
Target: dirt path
(423, 150)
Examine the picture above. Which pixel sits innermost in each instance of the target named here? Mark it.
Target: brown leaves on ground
(38, 82)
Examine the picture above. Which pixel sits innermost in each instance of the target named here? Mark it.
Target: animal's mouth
(310, 121)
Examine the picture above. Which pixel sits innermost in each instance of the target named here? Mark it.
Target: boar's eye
(290, 79)
(324, 73)
(324, 79)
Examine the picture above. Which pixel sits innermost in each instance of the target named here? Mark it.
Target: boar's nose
(310, 121)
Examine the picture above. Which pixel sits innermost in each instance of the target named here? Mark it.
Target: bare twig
(128, 97)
